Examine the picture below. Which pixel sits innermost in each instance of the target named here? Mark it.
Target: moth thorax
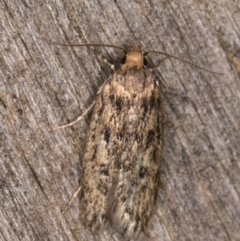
(134, 58)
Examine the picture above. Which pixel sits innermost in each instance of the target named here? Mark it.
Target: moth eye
(145, 62)
(123, 61)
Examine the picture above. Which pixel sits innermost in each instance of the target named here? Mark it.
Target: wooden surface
(44, 85)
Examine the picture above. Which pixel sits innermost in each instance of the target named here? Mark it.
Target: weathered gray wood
(44, 85)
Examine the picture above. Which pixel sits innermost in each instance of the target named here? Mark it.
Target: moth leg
(85, 112)
(71, 200)
(103, 59)
(78, 119)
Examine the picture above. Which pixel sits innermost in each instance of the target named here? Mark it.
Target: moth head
(134, 57)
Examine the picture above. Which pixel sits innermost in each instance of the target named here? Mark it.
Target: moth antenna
(183, 60)
(92, 45)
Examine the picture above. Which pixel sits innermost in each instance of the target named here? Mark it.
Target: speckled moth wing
(123, 153)
(131, 203)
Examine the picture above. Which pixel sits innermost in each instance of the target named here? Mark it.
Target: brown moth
(123, 150)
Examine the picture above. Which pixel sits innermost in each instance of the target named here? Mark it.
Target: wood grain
(43, 85)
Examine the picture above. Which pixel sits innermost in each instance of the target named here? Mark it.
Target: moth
(123, 152)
